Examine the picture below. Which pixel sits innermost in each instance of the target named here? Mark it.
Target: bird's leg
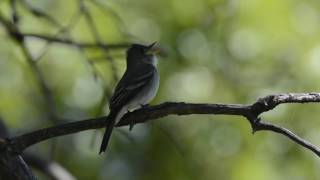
(131, 122)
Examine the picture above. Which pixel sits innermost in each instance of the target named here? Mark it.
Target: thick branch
(11, 166)
(251, 112)
(15, 166)
(139, 116)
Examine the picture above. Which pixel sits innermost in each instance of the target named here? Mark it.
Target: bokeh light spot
(193, 45)
(86, 93)
(306, 19)
(245, 44)
(195, 84)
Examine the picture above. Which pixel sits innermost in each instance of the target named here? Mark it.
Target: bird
(137, 87)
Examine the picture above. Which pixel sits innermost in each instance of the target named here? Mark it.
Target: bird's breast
(147, 93)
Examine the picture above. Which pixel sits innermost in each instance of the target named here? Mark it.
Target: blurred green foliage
(226, 51)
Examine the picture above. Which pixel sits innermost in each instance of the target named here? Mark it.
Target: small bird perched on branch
(137, 87)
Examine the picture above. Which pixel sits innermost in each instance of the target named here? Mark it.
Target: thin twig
(63, 30)
(94, 31)
(76, 44)
(14, 32)
(265, 126)
(40, 14)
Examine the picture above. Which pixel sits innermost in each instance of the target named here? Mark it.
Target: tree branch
(67, 41)
(250, 112)
(15, 166)
(12, 166)
(264, 126)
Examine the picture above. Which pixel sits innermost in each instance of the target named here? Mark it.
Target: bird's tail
(109, 127)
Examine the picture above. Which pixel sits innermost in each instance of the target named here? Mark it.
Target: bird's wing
(131, 84)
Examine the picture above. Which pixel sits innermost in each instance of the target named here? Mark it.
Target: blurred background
(217, 51)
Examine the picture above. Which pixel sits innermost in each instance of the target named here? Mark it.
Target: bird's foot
(132, 123)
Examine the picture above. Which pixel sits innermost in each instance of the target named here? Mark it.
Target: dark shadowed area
(61, 61)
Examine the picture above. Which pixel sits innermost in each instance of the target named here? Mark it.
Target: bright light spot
(193, 45)
(188, 12)
(36, 47)
(195, 84)
(245, 44)
(314, 57)
(306, 19)
(86, 93)
(146, 30)
(59, 172)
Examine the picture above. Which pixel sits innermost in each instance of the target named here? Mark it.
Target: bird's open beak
(152, 49)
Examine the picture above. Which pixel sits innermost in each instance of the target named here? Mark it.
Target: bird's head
(138, 52)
